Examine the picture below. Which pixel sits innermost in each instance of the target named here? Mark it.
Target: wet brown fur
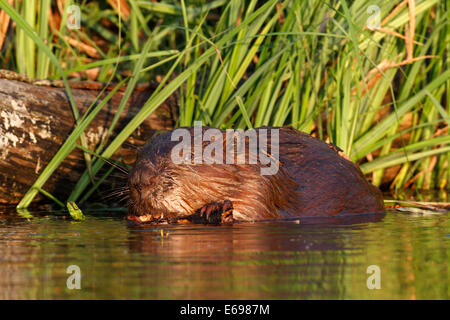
(312, 180)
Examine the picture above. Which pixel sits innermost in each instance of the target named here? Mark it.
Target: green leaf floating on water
(74, 211)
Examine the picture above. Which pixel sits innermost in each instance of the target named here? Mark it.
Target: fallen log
(36, 119)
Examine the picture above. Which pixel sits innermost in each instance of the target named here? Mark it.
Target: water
(277, 260)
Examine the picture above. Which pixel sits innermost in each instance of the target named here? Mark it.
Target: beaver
(303, 177)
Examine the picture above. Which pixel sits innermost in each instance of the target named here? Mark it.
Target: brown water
(277, 260)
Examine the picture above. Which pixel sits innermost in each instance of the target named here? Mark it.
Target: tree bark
(35, 120)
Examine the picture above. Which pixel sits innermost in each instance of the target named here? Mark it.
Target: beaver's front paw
(217, 212)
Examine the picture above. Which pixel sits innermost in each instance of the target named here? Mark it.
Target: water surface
(276, 260)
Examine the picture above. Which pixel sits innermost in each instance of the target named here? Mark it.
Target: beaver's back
(328, 183)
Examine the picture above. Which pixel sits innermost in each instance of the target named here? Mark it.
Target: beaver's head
(160, 188)
(153, 190)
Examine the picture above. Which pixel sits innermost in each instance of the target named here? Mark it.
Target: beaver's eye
(149, 180)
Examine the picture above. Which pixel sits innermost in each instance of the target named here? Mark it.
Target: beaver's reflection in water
(257, 260)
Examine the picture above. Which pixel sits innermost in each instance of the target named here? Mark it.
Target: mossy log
(36, 119)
